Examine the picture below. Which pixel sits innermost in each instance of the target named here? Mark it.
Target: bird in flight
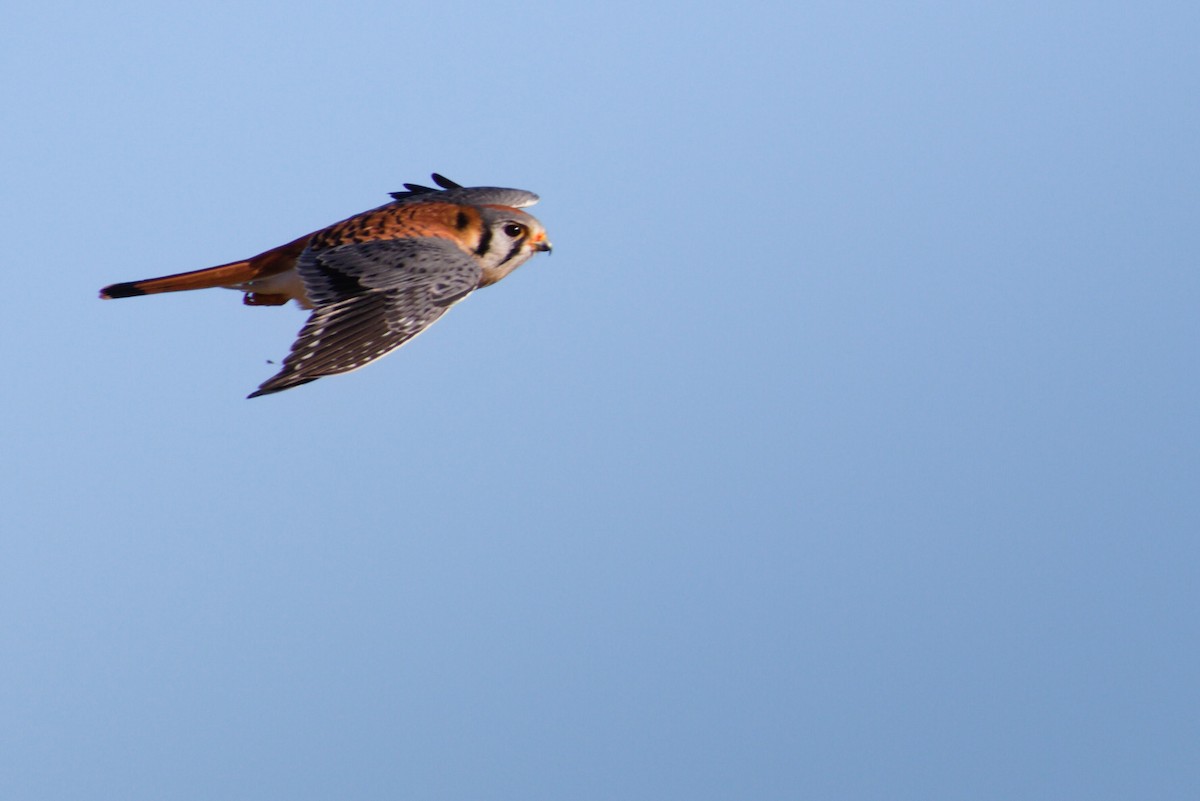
(377, 279)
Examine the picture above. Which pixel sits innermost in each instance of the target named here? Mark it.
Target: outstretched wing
(450, 192)
(370, 299)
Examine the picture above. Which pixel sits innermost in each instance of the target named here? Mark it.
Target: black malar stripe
(516, 248)
(485, 241)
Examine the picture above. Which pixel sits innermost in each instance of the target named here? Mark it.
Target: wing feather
(471, 195)
(370, 299)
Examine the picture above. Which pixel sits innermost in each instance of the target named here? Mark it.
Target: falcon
(375, 280)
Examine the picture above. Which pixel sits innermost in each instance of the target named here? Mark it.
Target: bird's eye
(514, 230)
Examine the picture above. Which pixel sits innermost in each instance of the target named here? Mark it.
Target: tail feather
(273, 261)
(224, 275)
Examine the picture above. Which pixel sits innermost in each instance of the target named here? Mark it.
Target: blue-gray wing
(450, 192)
(370, 299)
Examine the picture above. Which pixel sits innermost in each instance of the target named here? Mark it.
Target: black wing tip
(279, 384)
(418, 189)
(127, 290)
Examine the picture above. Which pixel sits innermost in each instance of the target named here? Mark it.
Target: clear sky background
(846, 447)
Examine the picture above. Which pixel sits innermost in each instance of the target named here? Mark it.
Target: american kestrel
(375, 280)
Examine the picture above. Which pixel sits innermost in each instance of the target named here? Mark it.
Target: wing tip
(279, 384)
(517, 198)
(419, 189)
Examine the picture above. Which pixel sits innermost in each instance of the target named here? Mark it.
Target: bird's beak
(542, 245)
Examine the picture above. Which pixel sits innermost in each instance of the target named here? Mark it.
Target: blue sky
(845, 448)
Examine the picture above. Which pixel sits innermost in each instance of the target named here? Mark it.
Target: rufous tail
(224, 275)
(271, 262)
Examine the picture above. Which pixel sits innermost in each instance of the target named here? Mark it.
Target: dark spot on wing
(340, 283)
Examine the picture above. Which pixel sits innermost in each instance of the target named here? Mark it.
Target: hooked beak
(542, 245)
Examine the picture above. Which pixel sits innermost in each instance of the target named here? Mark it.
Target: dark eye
(513, 230)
